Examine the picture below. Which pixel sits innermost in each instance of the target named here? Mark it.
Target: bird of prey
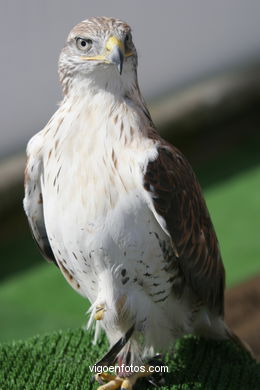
(119, 210)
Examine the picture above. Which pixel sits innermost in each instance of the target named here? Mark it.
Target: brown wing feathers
(178, 199)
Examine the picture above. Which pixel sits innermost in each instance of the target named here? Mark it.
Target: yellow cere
(114, 41)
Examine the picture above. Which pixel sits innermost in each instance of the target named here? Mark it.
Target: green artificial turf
(61, 360)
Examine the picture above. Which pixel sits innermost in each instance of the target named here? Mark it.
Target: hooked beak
(114, 53)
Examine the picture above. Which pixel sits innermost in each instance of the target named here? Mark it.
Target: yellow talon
(104, 376)
(126, 384)
(100, 310)
(130, 381)
(117, 382)
(112, 384)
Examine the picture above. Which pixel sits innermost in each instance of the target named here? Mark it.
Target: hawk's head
(98, 50)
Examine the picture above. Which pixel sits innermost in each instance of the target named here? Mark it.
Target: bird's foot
(113, 381)
(123, 383)
(100, 311)
(103, 377)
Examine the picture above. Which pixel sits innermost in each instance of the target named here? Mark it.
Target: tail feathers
(242, 344)
(215, 328)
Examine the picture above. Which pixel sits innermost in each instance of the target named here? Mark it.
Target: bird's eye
(83, 43)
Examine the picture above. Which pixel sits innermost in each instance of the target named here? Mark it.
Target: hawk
(119, 210)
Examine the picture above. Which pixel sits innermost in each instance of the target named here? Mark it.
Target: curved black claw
(157, 378)
(155, 381)
(99, 380)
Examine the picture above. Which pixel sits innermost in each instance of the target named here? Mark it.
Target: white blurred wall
(177, 40)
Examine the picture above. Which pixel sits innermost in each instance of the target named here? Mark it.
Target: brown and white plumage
(119, 209)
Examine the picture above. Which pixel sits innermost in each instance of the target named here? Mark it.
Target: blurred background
(199, 70)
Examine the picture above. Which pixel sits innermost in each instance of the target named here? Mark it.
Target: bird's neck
(105, 115)
(102, 96)
(106, 81)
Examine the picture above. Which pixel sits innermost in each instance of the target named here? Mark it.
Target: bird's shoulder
(35, 145)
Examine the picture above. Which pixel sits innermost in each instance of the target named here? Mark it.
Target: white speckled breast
(100, 222)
